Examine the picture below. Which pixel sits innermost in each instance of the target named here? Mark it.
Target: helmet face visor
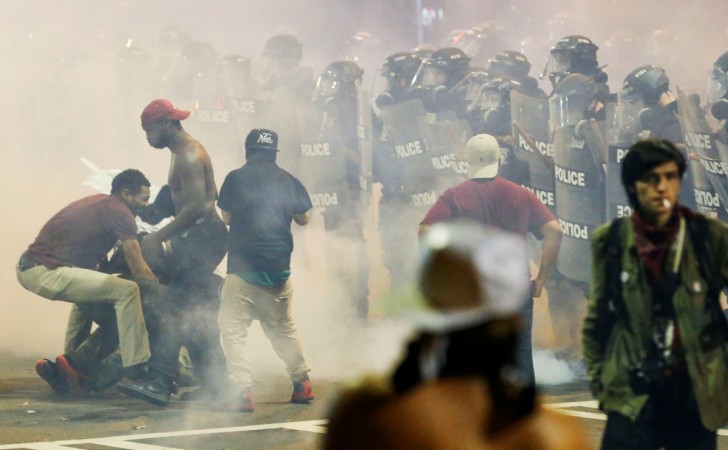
(429, 75)
(717, 86)
(326, 87)
(558, 62)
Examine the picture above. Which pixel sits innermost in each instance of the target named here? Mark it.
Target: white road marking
(129, 442)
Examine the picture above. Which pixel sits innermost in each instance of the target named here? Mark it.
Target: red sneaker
(240, 403)
(71, 375)
(49, 372)
(302, 392)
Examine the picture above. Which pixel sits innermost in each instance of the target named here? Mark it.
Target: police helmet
(510, 63)
(446, 67)
(283, 46)
(401, 66)
(199, 57)
(717, 88)
(646, 83)
(335, 78)
(572, 54)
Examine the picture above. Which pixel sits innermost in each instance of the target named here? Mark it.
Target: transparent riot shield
(622, 130)
(213, 124)
(578, 185)
(448, 140)
(322, 166)
(409, 135)
(704, 163)
(364, 138)
(532, 144)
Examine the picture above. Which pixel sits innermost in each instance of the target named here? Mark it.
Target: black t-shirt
(262, 199)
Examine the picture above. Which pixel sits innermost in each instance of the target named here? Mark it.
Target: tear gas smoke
(65, 96)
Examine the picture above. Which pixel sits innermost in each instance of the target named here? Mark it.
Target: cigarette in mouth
(666, 203)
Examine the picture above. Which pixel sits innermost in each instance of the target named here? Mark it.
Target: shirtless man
(192, 244)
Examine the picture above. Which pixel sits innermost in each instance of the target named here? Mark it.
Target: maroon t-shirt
(82, 233)
(495, 202)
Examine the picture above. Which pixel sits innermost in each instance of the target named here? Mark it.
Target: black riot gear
(511, 64)
(717, 89)
(576, 95)
(445, 67)
(646, 83)
(283, 46)
(339, 78)
(572, 54)
(395, 77)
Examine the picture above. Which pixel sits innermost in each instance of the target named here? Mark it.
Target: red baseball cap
(162, 108)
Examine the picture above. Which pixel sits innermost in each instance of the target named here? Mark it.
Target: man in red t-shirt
(62, 262)
(498, 203)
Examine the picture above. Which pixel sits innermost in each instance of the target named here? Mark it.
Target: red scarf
(653, 244)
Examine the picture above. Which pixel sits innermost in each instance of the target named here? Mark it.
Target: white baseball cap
(483, 155)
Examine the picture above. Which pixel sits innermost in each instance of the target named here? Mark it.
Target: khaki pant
(241, 303)
(84, 286)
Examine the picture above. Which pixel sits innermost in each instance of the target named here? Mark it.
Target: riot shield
(409, 134)
(322, 165)
(364, 138)
(532, 145)
(704, 162)
(622, 129)
(578, 187)
(213, 124)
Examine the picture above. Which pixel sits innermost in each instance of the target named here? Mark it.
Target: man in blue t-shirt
(259, 201)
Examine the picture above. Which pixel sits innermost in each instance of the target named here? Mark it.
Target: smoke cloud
(64, 98)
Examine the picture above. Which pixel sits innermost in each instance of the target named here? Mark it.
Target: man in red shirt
(62, 264)
(498, 203)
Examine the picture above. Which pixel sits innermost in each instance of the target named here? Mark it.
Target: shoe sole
(45, 370)
(72, 377)
(302, 401)
(142, 394)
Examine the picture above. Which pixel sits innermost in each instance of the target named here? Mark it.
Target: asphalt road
(34, 417)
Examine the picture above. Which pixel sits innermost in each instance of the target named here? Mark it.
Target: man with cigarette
(654, 337)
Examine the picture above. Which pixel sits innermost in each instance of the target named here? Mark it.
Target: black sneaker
(48, 370)
(156, 389)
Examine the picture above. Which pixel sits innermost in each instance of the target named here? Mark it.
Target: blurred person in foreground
(654, 337)
(458, 385)
(259, 202)
(63, 264)
(496, 202)
(192, 245)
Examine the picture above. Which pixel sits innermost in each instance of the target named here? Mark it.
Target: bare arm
(190, 170)
(552, 234)
(302, 219)
(133, 254)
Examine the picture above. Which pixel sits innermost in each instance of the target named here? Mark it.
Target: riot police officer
(576, 54)
(337, 174)
(648, 88)
(438, 81)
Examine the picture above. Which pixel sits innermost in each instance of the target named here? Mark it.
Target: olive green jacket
(612, 345)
